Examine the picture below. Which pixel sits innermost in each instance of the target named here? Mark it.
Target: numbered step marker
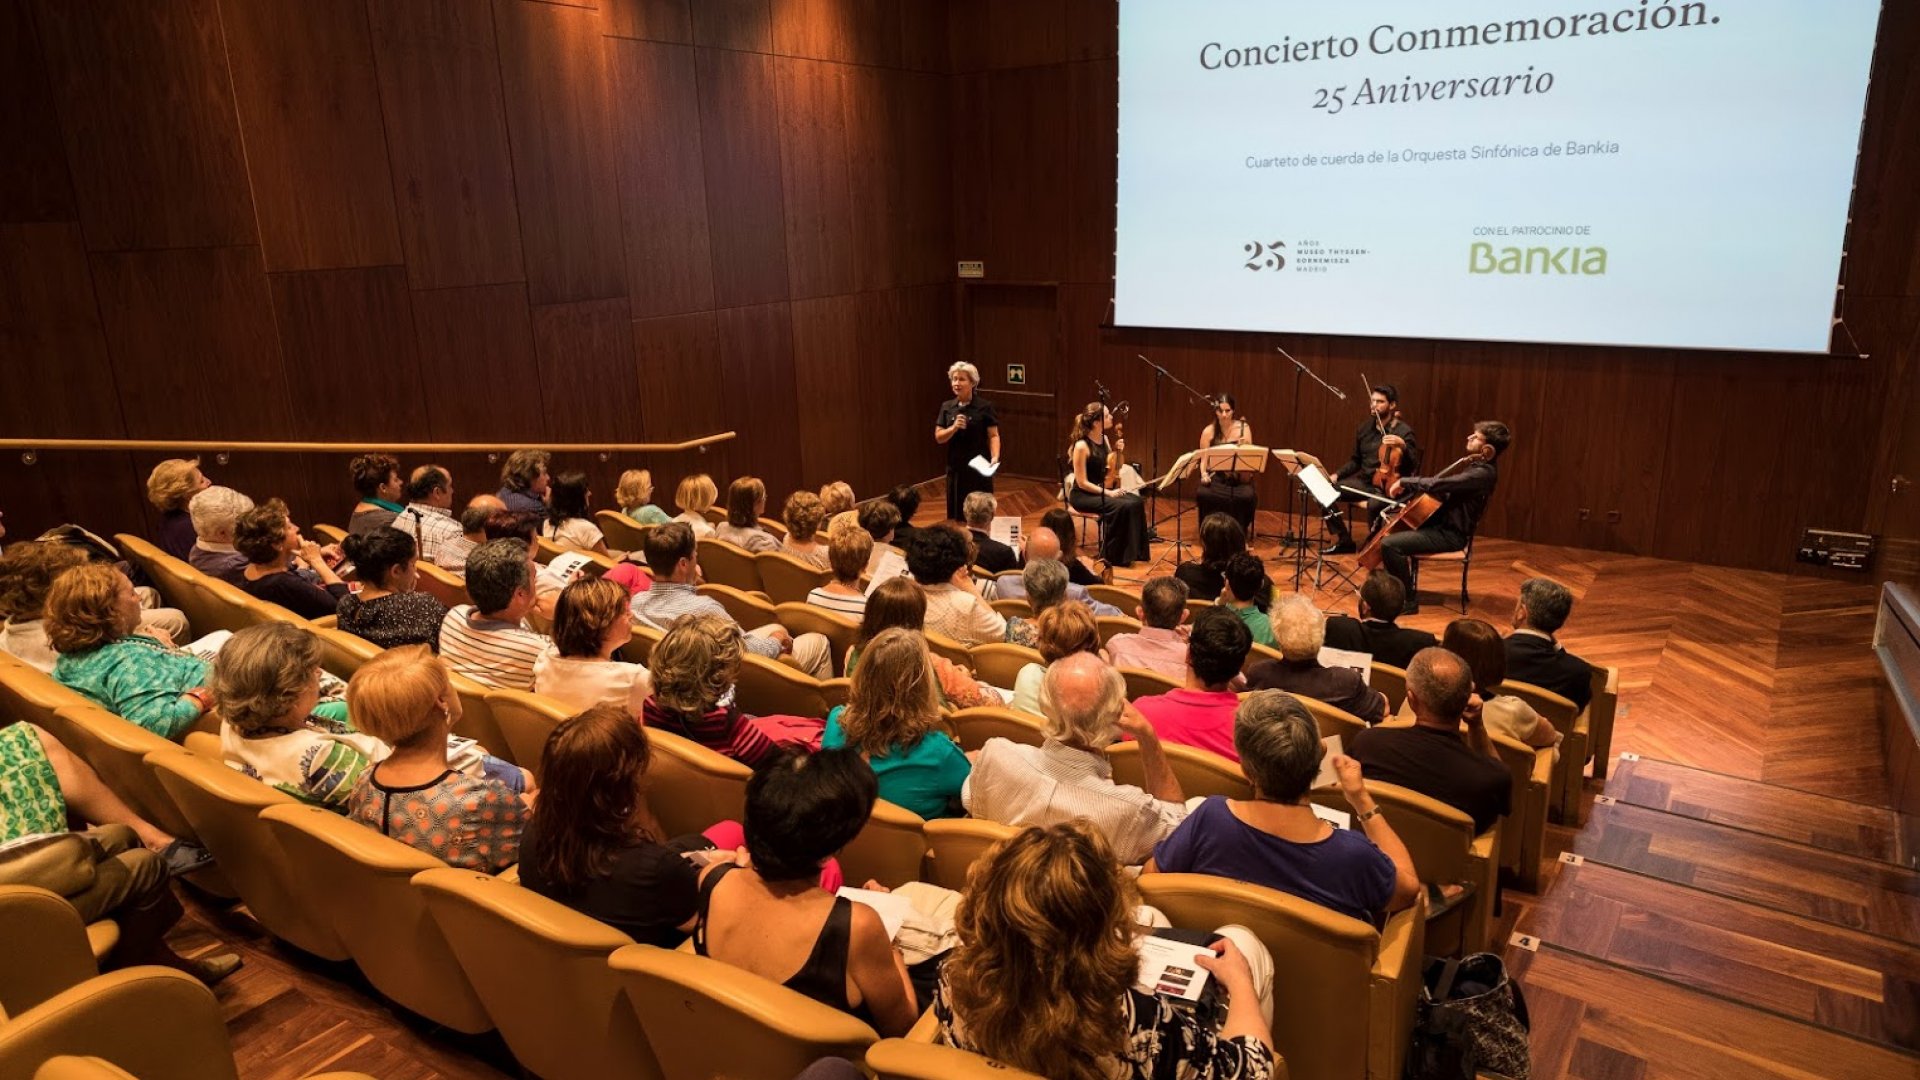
(1604, 800)
(1571, 859)
(1525, 941)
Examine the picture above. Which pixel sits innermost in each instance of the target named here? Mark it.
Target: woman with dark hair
(1221, 538)
(900, 603)
(1229, 493)
(376, 477)
(1062, 525)
(1249, 593)
(275, 553)
(387, 611)
(772, 918)
(569, 522)
(1485, 652)
(746, 502)
(1094, 487)
(938, 558)
(906, 499)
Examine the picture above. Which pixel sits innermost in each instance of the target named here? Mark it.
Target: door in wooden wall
(1006, 324)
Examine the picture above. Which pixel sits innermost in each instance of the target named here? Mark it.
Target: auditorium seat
(973, 727)
(478, 723)
(525, 720)
(74, 1067)
(774, 526)
(1014, 607)
(942, 645)
(1124, 599)
(176, 580)
(1111, 625)
(27, 693)
(998, 663)
(691, 787)
(751, 610)
(1333, 720)
(1200, 772)
(1573, 724)
(1523, 833)
(955, 844)
(723, 564)
(47, 948)
(786, 579)
(903, 1059)
(329, 534)
(769, 687)
(1391, 681)
(622, 532)
(117, 749)
(1445, 852)
(1143, 683)
(839, 630)
(1606, 701)
(443, 585)
(890, 849)
(153, 1023)
(1195, 607)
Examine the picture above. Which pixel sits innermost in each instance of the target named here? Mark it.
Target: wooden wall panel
(476, 360)
(756, 356)
(923, 35)
(875, 149)
(815, 177)
(922, 203)
(1092, 155)
(585, 354)
(1884, 246)
(663, 191)
(1613, 400)
(555, 82)
(1027, 138)
(147, 109)
(55, 354)
(742, 25)
(676, 358)
(446, 131)
(855, 407)
(740, 140)
(844, 31)
(353, 371)
(191, 335)
(33, 171)
(309, 107)
(648, 20)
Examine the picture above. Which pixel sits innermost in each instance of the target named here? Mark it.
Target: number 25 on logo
(1267, 256)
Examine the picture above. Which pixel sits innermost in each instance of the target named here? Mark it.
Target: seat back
(785, 578)
(443, 585)
(724, 564)
(1559, 711)
(545, 550)
(176, 579)
(715, 515)
(1200, 772)
(117, 749)
(1391, 681)
(1445, 852)
(622, 532)
(540, 968)
(891, 849)
(902, 1059)
(691, 787)
(1523, 833)
(706, 1018)
(645, 637)
(1332, 720)
(769, 687)
(45, 944)
(32, 695)
(154, 1023)
(839, 630)
(1124, 599)
(240, 609)
(998, 663)
(955, 844)
(941, 645)
(1013, 606)
(973, 727)
(1113, 625)
(1143, 683)
(343, 653)
(224, 808)
(750, 609)
(477, 721)
(329, 534)
(775, 527)
(525, 720)
(363, 880)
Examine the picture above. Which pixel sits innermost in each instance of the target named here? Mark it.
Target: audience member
(404, 698)
(634, 493)
(524, 480)
(1479, 644)
(1201, 712)
(473, 530)
(937, 559)
(836, 497)
(1161, 643)
(1248, 594)
(674, 559)
(1534, 654)
(569, 523)
(892, 718)
(1275, 840)
(1061, 524)
(388, 610)
(171, 485)
(1301, 633)
(1068, 775)
(803, 516)
(590, 626)
(694, 497)
(1043, 976)
(93, 622)
(1061, 631)
(428, 518)
(771, 918)
(1375, 633)
(27, 573)
(847, 553)
(1432, 757)
(215, 512)
(746, 504)
(274, 726)
(1221, 538)
(488, 640)
(994, 556)
(904, 498)
(275, 549)
(376, 477)
(695, 668)
(547, 582)
(899, 603)
(1043, 545)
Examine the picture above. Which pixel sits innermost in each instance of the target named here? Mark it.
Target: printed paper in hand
(1339, 819)
(208, 647)
(893, 910)
(892, 565)
(1327, 777)
(1358, 661)
(1006, 529)
(982, 466)
(1168, 967)
(569, 564)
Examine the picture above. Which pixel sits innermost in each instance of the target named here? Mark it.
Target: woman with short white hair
(968, 429)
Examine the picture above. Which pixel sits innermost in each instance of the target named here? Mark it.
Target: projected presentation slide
(1614, 172)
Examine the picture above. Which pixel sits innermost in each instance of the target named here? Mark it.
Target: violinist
(1383, 451)
(1094, 486)
(1228, 493)
(1463, 489)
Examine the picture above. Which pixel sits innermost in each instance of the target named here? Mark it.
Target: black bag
(1472, 1021)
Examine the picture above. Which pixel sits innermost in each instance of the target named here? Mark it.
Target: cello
(1405, 517)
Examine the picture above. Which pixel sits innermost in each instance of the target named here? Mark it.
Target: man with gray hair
(1043, 545)
(1300, 630)
(1534, 655)
(1432, 757)
(488, 640)
(991, 554)
(429, 519)
(1068, 775)
(214, 511)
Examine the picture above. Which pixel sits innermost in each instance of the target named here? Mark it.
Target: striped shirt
(496, 654)
(855, 605)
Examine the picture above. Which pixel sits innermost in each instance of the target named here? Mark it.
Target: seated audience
(569, 523)
(473, 530)
(1479, 644)
(1060, 523)
(836, 497)
(1432, 757)
(1221, 538)
(215, 512)
(772, 919)
(746, 502)
(898, 603)
(274, 726)
(590, 625)
(1059, 632)
(547, 582)
(428, 518)
(488, 640)
(802, 517)
(27, 573)
(172, 484)
(1275, 840)
(416, 796)
(1161, 643)
(1201, 712)
(1057, 892)
(1248, 594)
(694, 497)
(892, 718)
(674, 559)
(905, 498)
(847, 553)
(388, 610)
(695, 667)
(1300, 634)
(524, 480)
(634, 493)
(1043, 546)
(1534, 654)
(881, 520)
(275, 550)
(377, 479)
(1068, 775)
(47, 784)
(93, 622)
(992, 555)
(1374, 632)
(937, 559)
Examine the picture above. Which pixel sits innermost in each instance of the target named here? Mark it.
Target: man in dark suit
(1375, 632)
(992, 555)
(1533, 654)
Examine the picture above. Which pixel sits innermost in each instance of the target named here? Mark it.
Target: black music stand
(1313, 488)
(1244, 459)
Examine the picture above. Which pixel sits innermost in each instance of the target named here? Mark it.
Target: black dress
(1123, 517)
(975, 440)
(1231, 494)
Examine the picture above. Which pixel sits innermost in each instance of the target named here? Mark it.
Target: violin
(1405, 517)
(1387, 472)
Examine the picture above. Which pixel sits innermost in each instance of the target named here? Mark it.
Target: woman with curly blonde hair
(694, 670)
(892, 718)
(1058, 893)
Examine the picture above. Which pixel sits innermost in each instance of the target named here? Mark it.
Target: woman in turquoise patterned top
(92, 614)
(892, 717)
(635, 496)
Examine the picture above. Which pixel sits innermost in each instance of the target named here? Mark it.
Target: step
(1844, 890)
(1811, 971)
(1803, 817)
(1594, 1019)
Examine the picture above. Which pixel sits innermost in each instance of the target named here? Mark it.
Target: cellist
(1382, 436)
(1463, 490)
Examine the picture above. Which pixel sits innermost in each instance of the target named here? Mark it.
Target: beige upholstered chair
(1391, 681)
(443, 585)
(1112, 625)
(891, 849)
(1200, 772)
(329, 534)
(178, 582)
(29, 694)
(47, 948)
(1332, 720)
(750, 609)
(901, 1059)
(525, 720)
(942, 645)
(1606, 701)
(645, 637)
(622, 532)
(343, 653)
(1574, 726)
(117, 749)
(839, 630)
(1014, 606)
(477, 721)
(1445, 851)
(955, 844)
(1124, 599)
(973, 727)
(724, 564)
(1523, 832)
(1143, 683)
(691, 787)
(786, 579)
(769, 687)
(998, 663)
(154, 1023)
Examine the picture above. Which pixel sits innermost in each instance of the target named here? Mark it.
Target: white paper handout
(982, 466)
(1358, 661)
(208, 647)
(892, 565)
(1006, 529)
(893, 910)
(1328, 777)
(1339, 819)
(1168, 967)
(568, 564)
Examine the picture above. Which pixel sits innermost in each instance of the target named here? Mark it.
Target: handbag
(1472, 1022)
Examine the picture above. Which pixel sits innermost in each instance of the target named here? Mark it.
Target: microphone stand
(1159, 374)
(1300, 539)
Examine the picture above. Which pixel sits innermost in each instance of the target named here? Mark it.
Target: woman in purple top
(1275, 839)
(170, 486)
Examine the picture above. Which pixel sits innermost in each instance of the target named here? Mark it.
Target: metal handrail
(35, 445)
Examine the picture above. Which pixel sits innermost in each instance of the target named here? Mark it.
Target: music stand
(1311, 481)
(1244, 459)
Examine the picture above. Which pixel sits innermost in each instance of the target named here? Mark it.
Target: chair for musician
(1200, 772)
(973, 727)
(891, 849)
(955, 844)
(839, 630)
(1445, 851)
(725, 564)
(1464, 557)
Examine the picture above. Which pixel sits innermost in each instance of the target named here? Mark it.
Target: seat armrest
(926, 1029)
(1395, 990)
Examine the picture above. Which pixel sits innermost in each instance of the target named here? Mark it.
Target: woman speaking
(1095, 488)
(968, 429)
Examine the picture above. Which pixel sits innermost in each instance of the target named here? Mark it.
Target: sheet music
(1317, 483)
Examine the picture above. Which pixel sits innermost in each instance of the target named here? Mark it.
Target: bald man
(473, 531)
(1044, 545)
(1433, 757)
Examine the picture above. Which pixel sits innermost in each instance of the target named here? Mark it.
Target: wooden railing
(33, 446)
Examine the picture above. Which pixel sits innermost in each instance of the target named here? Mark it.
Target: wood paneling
(1883, 255)
(447, 133)
(348, 340)
(853, 407)
(33, 171)
(756, 354)
(55, 354)
(676, 358)
(743, 25)
(921, 205)
(555, 82)
(663, 191)
(819, 209)
(648, 20)
(309, 106)
(740, 141)
(147, 109)
(844, 31)
(585, 353)
(476, 361)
